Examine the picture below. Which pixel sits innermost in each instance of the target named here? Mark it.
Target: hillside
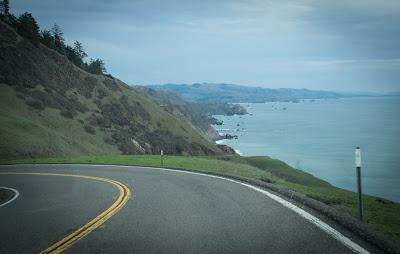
(50, 107)
(181, 109)
(230, 93)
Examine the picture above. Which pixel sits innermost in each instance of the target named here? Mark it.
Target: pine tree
(73, 56)
(28, 28)
(59, 41)
(78, 48)
(6, 7)
(47, 38)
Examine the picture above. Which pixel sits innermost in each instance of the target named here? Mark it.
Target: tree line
(27, 27)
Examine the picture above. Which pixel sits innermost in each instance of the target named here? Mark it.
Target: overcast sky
(338, 45)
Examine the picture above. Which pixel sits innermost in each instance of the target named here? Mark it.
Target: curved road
(168, 212)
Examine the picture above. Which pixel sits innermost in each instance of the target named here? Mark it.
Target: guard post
(162, 159)
(359, 189)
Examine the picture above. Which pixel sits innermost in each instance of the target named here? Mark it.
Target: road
(167, 212)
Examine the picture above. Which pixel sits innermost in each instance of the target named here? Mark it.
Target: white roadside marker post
(359, 190)
(162, 155)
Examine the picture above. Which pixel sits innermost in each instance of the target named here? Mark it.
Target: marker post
(359, 189)
(162, 159)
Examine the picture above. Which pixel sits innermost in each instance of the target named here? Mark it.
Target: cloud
(300, 43)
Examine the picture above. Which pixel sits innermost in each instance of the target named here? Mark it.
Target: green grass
(26, 132)
(202, 164)
(380, 213)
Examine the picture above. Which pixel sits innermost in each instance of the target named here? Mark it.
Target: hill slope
(181, 109)
(48, 107)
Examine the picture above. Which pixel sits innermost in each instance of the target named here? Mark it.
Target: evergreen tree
(6, 7)
(73, 56)
(47, 39)
(59, 41)
(5, 14)
(2, 11)
(78, 48)
(28, 28)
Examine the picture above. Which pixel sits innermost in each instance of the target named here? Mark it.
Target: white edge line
(13, 198)
(314, 220)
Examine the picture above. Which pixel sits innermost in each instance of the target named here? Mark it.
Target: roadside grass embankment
(379, 213)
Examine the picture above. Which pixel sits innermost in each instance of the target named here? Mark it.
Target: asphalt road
(168, 212)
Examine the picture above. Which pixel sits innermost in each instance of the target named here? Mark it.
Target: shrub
(68, 113)
(101, 93)
(35, 104)
(109, 140)
(86, 87)
(90, 129)
(111, 84)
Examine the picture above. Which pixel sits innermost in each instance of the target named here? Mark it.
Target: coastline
(222, 142)
(319, 138)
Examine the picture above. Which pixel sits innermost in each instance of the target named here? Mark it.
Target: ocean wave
(238, 152)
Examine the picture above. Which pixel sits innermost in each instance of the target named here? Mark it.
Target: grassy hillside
(380, 213)
(50, 107)
(197, 113)
(181, 109)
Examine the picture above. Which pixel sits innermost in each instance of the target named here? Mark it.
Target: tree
(28, 28)
(78, 48)
(96, 66)
(76, 54)
(73, 56)
(59, 41)
(6, 7)
(47, 38)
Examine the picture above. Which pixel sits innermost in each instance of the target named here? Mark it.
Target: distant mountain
(206, 92)
(50, 107)
(393, 94)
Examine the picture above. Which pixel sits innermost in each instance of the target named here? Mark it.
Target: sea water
(319, 137)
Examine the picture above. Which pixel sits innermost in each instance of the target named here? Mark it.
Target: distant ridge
(221, 92)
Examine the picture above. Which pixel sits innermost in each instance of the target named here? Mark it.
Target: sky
(336, 45)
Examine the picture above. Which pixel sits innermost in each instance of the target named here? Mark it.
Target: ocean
(319, 137)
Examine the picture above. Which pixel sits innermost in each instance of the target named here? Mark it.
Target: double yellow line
(63, 244)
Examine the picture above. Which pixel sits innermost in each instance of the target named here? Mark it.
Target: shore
(222, 142)
(320, 136)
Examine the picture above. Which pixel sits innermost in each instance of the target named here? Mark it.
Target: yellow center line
(68, 241)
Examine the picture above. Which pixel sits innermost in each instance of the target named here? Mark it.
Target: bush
(35, 104)
(109, 76)
(267, 180)
(111, 84)
(101, 93)
(87, 86)
(90, 129)
(96, 66)
(109, 141)
(67, 113)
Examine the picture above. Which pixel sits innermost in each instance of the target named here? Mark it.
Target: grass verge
(379, 213)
